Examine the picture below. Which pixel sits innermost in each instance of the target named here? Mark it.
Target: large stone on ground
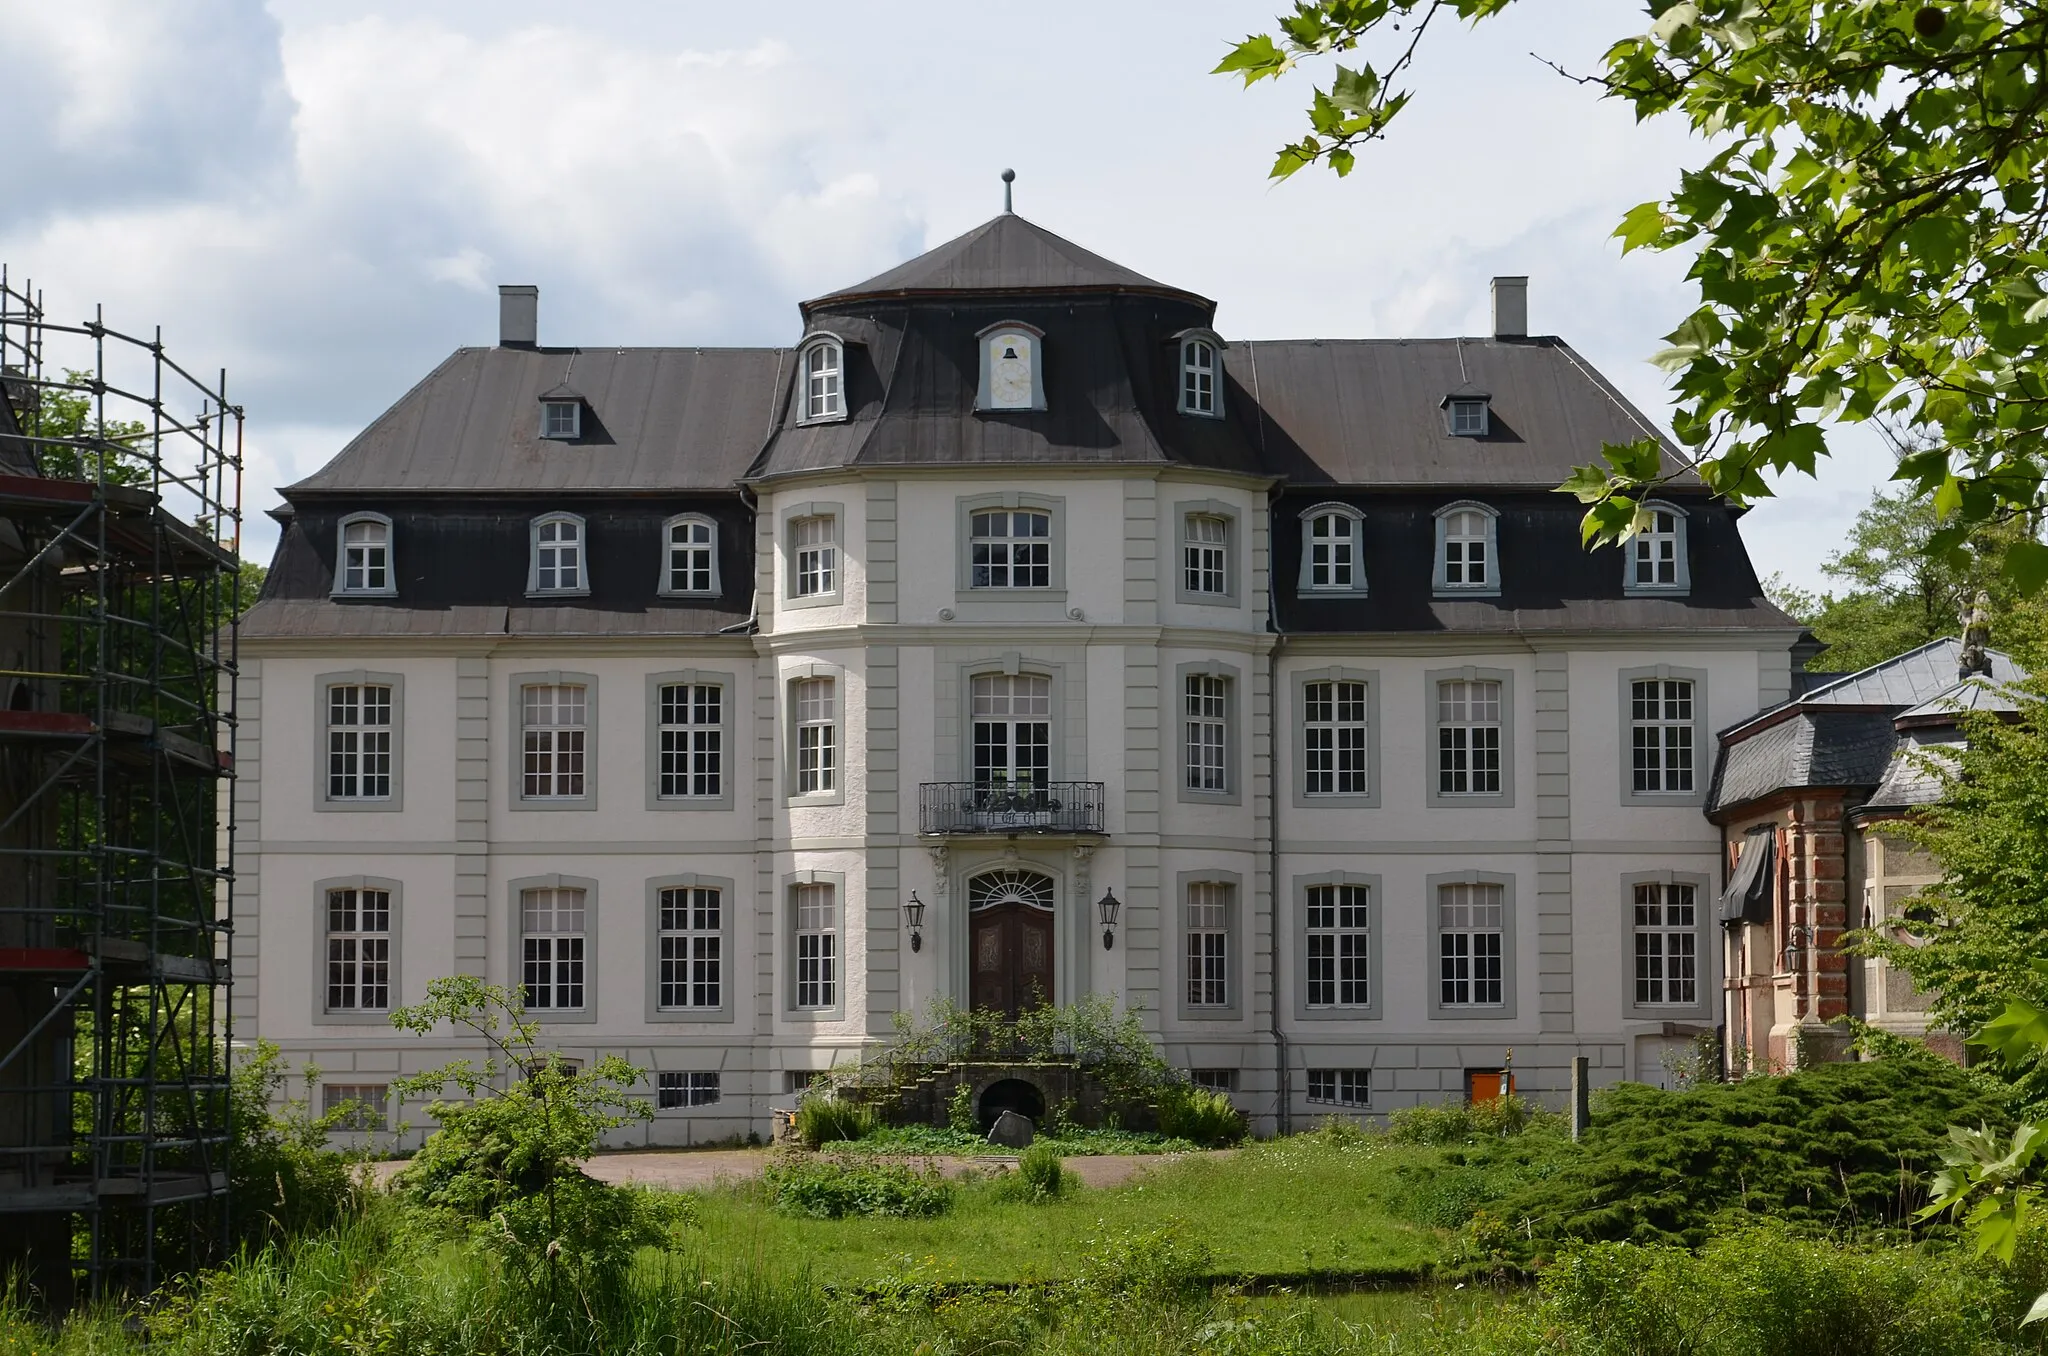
(1011, 1130)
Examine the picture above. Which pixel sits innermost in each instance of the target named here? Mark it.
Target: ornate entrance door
(1010, 940)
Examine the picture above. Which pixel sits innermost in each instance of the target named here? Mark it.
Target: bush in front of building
(1470, 1122)
(837, 1187)
(822, 1120)
(1201, 1116)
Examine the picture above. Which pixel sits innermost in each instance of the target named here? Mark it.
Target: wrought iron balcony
(1046, 807)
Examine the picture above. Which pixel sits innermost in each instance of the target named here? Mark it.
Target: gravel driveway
(695, 1169)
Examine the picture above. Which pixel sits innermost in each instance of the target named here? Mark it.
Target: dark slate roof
(1966, 696)
(1005, 255)
(1835, 749)
(656, 419)
(1908, 679)
(1911, 780)
(289, 618)
(1368, 411)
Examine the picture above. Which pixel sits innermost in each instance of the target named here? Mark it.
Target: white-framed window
(1467, 559)
(1214, 1080)
(554, 728)
(1656, 553)
(562, 419)
(358, 950)
(675, 1091)
(1340, 1087)
(689, 555)
(814, 705)
(1339, 941)
(1467, 416)
(1200, 377)
(1010, 375)
(690, 943)
(553, 936)
(1471, 927)
(363, 1106)
(1012, 726)
(1205, 555)
(1666, 944)
(690, 740)
(1468, 734)
(359, 742)
(1208, 939)
(1661, 727)
(365, 556)
(824, 379)
(814, 555)
(1336, 754)
(1205, 702)
(817, 946)
(1331, 550)
(558, 565)
(1010, 548)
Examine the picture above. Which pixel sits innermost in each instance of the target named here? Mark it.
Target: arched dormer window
(1012, 367)
(556, 563)
(1201, 373)
(362, 559)
(823, 373)
(689, 555)
(1467, 550)
(1332, 550)
(1654, 554)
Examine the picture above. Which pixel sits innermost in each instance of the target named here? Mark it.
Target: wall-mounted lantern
(1107, 906)
(913, 917)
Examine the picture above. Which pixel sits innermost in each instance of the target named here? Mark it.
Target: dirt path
(696, 1169)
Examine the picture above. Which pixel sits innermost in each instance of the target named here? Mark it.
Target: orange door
(1483, 1085)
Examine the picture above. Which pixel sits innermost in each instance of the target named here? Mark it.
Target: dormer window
(690, 555)
(1656, 554)
(1201, 390)
(1466, 412)
(1010, 371)
(557, 564)
(1467, 558)
(561, 414)
(824, 378)
(1332, 558)
(364, 563)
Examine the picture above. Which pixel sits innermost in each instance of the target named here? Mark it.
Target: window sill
(543, 594)
(385, 806)
(832, 599)
(691, 1016)
(688, 593)
(338, 594)
(814, 798)
(359, 1017)
(1206, 1014)
(1330, 593)
(1336, 800)
(1655, 590)
(813, 1015)
(1449, 591)
(1190, 796)
(1335, 1014)
(1226, 600)
(554, 803)
(563, 1016)
(686, 803)
(1491, 1012)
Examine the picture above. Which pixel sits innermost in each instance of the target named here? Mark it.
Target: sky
(321, 196)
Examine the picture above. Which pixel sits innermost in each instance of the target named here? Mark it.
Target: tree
(1868, 219)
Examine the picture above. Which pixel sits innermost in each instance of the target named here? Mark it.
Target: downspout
(1280, 910)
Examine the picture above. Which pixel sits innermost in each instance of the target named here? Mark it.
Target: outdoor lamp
(1107, 906)
(913, 914)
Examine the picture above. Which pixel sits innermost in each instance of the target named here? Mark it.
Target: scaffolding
(120, 523)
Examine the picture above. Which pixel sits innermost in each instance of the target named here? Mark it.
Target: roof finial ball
(1009, 177)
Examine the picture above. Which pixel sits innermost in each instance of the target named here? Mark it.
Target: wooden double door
(1010, 942)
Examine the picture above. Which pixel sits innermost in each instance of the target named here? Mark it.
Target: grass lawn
(1295, 1207)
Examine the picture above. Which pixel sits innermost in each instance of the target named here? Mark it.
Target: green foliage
(1840, 1146)
(1159, 1263)
(825, 1120)
(284, 1181)
(1863, 213)
(1206, 1118)
(1114, 1046)
(1073, 1142)
(1039, 1172)
(960, 1110)
(83, 448)
(834, 1188)
(1465, 1122)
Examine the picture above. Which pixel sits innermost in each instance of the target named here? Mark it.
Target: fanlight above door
(1012, 885)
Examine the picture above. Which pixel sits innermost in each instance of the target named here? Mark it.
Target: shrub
(1152, 1264)
(1039, 1170)
(1466, 1122)
(834, 1188)
(1199, 1115)
(960, 1111)
(825, 1120)
(283, 1179)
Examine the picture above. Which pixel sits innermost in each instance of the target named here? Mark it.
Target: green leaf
(1641, 226)
(1257, 57)
(1355, 91)
(2037, 1311)
(1673, 19)
(2026, 565)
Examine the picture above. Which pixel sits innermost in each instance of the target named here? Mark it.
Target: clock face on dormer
(1009, 370)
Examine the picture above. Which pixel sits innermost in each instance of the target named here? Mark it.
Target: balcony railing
(1048, 807)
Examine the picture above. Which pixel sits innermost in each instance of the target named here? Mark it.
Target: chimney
(1511, 308)
(518, 316)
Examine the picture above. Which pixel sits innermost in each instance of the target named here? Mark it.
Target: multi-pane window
(690, 740)
(1334, 747)
(366, 556)
(692, 551)
(552, 941)
(1332, 551)
(362, 1105)
(1214, 1080)
(689, 947)
(1340, 1087)
(1667, 944)
(1339, 946)
(1208, 907)
(358, 950)
(358, 741)
(558, 556)
(817, 735)
(817, 947)
(1207, 710)
(554, 727)
(814, 541)
(1468, 418)
(697, 1087)
(1198, 376)
(1661, 732)
(1469, 928)
(1010, 549)
(1206, 557)
(1468, 537)
(824, 390)
(1654, 551)
(561, 418)
(1468, 737)
(1012, 730)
